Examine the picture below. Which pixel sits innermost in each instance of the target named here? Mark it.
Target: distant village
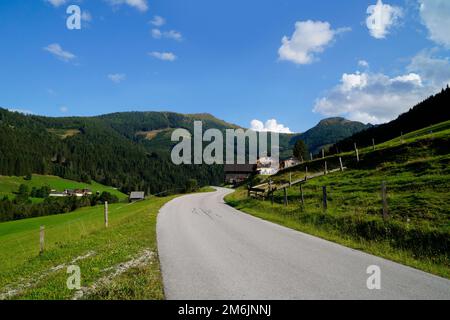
(266, 166)
(71, 193)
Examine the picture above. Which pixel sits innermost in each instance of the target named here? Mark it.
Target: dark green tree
(191, 185)
(300, 150)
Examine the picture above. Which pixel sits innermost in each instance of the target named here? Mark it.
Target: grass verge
(118, 262)
(324, 225)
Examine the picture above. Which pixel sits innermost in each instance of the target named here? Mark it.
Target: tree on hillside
(300, 150)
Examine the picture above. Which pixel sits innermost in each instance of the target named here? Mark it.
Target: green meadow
(81, 238)
(10, 185)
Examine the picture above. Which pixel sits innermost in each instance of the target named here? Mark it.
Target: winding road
(209, 250)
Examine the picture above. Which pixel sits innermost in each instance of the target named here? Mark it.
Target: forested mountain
(433, 110)
(84, 148)
(129, 150)
(327, 132)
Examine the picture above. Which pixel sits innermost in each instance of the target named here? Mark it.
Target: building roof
(137, 195)
(240, 168)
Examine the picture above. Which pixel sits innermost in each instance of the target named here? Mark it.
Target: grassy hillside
(431, 111)
(9, 185)
(416, 169)
(120, 262)
(105, 149)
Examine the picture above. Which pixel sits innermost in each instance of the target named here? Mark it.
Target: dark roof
(240, 168)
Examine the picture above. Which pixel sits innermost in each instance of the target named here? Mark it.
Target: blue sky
(227, 58)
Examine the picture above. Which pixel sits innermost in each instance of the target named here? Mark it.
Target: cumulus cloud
(165, 56)
(172, 34)
(435, 16)
(56, 50)
(158, 21)
(434, 70)
(64, 109)
(373, 97)
(140, 5)
(378, 98)
(117, 77)
(382, 17)
(308, 39)
(270, 126)
(56, 3)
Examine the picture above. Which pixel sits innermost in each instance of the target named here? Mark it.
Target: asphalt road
(209, 250)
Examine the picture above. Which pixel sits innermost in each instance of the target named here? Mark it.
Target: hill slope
(10, 185)
(433, 110)
(327, 132)
(104, 149)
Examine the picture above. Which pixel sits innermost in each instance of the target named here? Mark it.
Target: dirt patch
(142, 260)
(14, 290)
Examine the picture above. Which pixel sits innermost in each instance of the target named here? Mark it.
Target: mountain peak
(333, 120)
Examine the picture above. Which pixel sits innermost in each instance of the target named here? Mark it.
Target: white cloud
(436, 17)
(363, 64)
(270, 126)
(374, 98)
(378, 98)
(156, 33)
(158, 21)
(64, 109)
(353, 81)
(381, 18)
(58, 52)
(140, 5)
(117, 77)
(308, 39)
(435, 71)
(56, 3)
(165, 56)
(172, 34)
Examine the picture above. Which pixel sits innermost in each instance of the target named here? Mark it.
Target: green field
(9, 185)
(131, 236)
(416, 169)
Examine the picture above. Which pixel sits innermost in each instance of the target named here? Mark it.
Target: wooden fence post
(357, 152)
(311, 156)
(302, 195)
(323, 154)
(384, 200)
(325, 200)
(285, 196)
(270, 191)
(373, 144)
(290, 179)
(326, 168)
(106, 214)
(306, 173)
(340, 162)
(41, 239)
